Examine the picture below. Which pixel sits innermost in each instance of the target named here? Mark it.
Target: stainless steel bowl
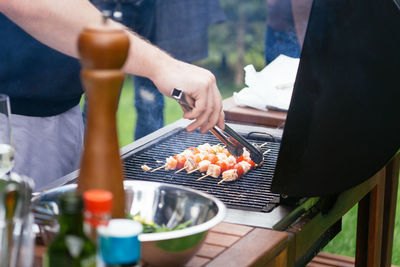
(163, 204)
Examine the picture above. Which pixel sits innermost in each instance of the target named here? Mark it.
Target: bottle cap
(98, 200)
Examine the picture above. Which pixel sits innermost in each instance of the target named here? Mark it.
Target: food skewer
(237, 172)
(266, 151)
(214, 160)
(223, 180)
(184, 168)
(192, 171)
(221, 163)
(202, 177)
(263, 145)
(230, 171)
(202, 166)
(178, 161)
(213, 170)
(156, 169)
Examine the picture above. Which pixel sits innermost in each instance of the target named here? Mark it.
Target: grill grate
(251, 192)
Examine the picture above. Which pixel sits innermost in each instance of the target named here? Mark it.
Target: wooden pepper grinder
(103, 50)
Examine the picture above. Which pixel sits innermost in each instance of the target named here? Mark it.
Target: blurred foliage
(225, 39)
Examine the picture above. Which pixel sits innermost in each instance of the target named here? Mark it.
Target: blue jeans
(277, 43)
(149, 104)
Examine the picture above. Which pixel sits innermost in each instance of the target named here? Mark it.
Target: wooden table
(226, 244)
(238, 245)
(248, 115)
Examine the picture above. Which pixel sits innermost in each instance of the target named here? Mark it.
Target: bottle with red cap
(98, 206)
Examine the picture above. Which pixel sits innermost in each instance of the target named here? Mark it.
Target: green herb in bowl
(151, 227)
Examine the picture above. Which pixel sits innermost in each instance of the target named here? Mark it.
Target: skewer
(263, 145)
(223, 180)
(184, 168)
(202, 177)
(265, 152)
(192, 171)
(156, 169)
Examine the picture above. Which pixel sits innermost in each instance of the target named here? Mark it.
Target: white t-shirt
(47, 148)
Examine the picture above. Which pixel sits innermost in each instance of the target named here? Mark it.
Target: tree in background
(240, 40)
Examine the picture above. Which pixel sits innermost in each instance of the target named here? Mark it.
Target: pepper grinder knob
(103, 46)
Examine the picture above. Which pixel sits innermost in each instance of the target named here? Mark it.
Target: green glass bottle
(71, 247)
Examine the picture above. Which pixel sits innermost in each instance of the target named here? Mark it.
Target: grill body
(251, 192)
(249, 199)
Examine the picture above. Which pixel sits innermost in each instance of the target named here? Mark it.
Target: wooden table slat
(210, 251)
(334, 257)
(260, 246)
(232, 229)
(221, 239)
(332, 262)
(197, 261)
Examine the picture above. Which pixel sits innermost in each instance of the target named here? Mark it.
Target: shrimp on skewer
(214, 161)
(202, 166)
(190, 164)
(178, 161)
(229, 175)
(236, 172)
(213, 171)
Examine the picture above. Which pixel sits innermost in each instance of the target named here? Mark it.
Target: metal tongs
(233, 141)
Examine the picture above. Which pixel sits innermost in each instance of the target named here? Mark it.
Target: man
(43, 137)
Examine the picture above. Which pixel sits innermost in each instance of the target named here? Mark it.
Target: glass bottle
(71, 247)
(98, 205)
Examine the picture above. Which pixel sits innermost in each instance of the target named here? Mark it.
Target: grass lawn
(343, 243)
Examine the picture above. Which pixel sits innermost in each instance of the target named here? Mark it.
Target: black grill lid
(342, 125)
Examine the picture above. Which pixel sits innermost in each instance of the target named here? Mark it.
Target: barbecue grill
(251, 193)
(249, 199)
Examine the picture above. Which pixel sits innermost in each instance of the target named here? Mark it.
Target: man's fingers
(215, 108)
(221, 121)
(199, 113)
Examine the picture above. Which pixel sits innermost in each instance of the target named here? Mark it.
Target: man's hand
(201, 91)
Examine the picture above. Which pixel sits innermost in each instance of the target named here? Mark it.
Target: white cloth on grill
(272, 87)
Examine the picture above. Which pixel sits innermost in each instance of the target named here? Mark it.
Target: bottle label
(74, 245)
